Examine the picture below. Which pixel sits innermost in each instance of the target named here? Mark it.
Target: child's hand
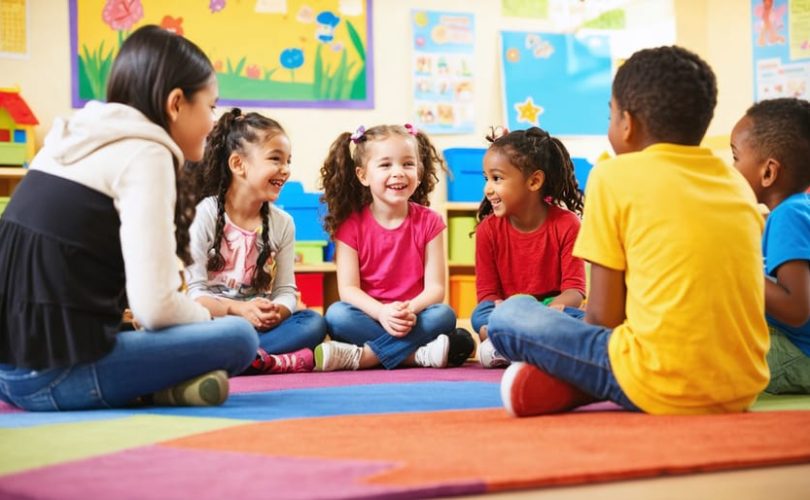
(559, 307)
(259, 312)
(270, 313)
(397, 318)
(498, 302)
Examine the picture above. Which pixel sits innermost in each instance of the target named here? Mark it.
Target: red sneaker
(301, 360)
(527, 390)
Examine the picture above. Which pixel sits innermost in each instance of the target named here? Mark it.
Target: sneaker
(462, 346)
(299, 361)
(434, 353)
(527, 390)
(209, 389)
(490, 357)
(331, 356)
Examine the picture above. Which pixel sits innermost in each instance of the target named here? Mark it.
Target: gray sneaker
(332, 356)
(490, 357)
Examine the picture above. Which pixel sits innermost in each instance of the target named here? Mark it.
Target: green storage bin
(3, 202)
(309, 252)
(461, 244)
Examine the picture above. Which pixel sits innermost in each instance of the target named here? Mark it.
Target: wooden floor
(770, 483)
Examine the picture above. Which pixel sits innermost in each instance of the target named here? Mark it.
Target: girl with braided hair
(389, 254)
(243, 245)
(527, 225)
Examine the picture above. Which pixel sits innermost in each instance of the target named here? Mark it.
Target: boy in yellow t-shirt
(674, 321)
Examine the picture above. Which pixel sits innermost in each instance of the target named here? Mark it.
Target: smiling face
(506, 187)
(747, 160)
(267, 165)
(391, 169)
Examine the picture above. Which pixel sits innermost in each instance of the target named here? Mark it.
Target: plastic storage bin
(310, 285)
(306, 209)
(467, 168)
(582, 168)
(309, 252)
(462, 295)
(461, 245)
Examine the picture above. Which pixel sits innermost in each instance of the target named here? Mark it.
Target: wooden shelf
(9, 178)
(12, 172)
(463, 206)
(325, 267)
(470, 266)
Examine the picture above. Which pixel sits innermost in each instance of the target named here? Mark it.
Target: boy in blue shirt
(771, 148)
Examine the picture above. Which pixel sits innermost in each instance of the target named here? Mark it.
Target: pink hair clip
(411, 129)
(359, 135)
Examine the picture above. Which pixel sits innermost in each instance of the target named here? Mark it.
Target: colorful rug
(374, 434)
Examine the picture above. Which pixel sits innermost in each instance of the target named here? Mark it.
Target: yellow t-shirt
(684, 228)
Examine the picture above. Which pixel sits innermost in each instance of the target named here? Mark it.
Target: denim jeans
(347, 323)
(480, 315)
(304, 328)
(560, 344)
(141, 363)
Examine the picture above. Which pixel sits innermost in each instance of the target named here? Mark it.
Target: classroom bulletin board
(266, 53)
(780, 36)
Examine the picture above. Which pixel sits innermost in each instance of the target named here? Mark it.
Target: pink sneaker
(299, 361)
(527, 390)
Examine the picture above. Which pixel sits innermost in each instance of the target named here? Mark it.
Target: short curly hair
(670, 90)
(781, 130)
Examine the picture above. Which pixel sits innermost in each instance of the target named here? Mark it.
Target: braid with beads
(230, 134)
(532, 150)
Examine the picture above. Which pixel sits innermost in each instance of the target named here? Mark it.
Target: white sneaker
(433, 354)
(490, 357)
(331, 356)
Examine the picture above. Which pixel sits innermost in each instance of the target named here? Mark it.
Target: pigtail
(342, 191)
(184, 211)
(431, 162)
(216, 262)
(261, 278)
(566, 191)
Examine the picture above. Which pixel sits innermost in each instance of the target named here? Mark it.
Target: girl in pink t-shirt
(389, 254)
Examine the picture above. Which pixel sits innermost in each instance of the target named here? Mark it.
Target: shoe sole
(509, 376)
(318, 354)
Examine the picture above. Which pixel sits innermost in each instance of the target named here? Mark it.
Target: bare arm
(348, 279)
(568, 298)
(788, 299)
(607, 297)
(435, 269)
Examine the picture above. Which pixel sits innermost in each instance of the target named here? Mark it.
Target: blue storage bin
(306, 209)
(582, 168)
(467, 167)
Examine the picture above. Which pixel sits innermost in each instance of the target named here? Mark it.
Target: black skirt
(62, 282)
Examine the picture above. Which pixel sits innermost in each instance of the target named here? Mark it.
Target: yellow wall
(718, 30)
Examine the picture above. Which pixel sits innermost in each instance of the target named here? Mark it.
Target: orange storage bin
(462, 295)
(310, 285)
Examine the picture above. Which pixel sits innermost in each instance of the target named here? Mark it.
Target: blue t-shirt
(786, 238)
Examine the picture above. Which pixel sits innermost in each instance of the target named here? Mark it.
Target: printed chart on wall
(781, 48)
(14, 29)
(266, 53)
(443, 45)
(559, 78)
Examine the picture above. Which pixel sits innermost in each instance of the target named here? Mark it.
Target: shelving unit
(460, 283)
(9, 178)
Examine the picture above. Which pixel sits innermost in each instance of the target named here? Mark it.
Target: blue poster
(559, 82)
(780, 38)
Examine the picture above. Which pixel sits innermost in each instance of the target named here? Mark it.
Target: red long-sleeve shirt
(539, 263)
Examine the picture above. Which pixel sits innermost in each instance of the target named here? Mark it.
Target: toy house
(16, 128)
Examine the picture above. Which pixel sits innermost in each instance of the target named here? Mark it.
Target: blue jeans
(304, 328)
(141, 363)
(347, 323)
(523, 329)
(480, 315)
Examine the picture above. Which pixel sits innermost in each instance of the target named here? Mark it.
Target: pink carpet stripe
(471, 372)
(169, 473)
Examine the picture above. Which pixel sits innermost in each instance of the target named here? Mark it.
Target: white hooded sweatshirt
(115, 150)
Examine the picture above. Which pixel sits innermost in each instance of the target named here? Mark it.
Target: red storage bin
(310, 285)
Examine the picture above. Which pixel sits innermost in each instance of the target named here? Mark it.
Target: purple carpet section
(471, 372)
(169, 473)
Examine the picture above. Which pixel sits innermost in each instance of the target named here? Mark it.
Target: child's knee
(439, 317)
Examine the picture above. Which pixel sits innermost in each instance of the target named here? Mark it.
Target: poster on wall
(560, 79)
(443, 44)
(266, 53)
(780, 36)
(14, 29)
